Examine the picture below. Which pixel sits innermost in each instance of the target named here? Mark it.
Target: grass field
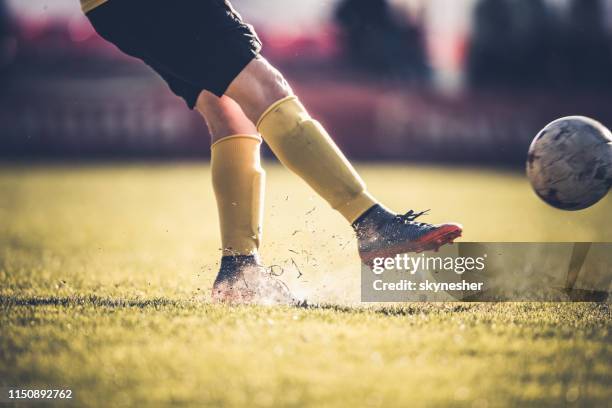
(105, 273)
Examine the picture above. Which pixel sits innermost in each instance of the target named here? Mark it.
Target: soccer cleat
(243, 280)
(382, 234)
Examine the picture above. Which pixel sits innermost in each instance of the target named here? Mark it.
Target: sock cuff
(232, 137)
(275, 105)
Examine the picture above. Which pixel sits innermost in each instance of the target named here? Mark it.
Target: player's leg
(299, 141)
(303, 145)
(239, 184)
(237, 175)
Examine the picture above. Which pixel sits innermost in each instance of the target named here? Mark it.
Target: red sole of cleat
(444, 235)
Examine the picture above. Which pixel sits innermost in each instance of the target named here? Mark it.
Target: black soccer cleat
(382, 234)
(243, 280)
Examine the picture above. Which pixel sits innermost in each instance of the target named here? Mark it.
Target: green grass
(105, 273)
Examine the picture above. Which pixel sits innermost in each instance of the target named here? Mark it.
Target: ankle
(374, 216)
(232, 266)
(240, 260)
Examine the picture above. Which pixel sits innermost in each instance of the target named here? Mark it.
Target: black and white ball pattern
(570, 163)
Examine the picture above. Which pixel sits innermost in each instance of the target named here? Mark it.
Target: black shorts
(194, 45)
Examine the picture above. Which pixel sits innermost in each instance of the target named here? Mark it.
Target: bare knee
(223, 116)
(257, 87)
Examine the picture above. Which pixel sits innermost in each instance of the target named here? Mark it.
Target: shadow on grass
(156, 303)
(91, 300)
(409, 309)
(98, 301)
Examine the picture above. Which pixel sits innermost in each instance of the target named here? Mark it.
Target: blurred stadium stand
(65, 93)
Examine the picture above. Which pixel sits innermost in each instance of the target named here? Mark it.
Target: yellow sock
(303, 146)
(238, 181)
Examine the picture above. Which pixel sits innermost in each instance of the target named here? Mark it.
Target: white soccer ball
(570, 163)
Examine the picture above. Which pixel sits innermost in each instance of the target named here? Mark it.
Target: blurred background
(420, 80)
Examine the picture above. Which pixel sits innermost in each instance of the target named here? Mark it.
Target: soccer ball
(570, 163)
